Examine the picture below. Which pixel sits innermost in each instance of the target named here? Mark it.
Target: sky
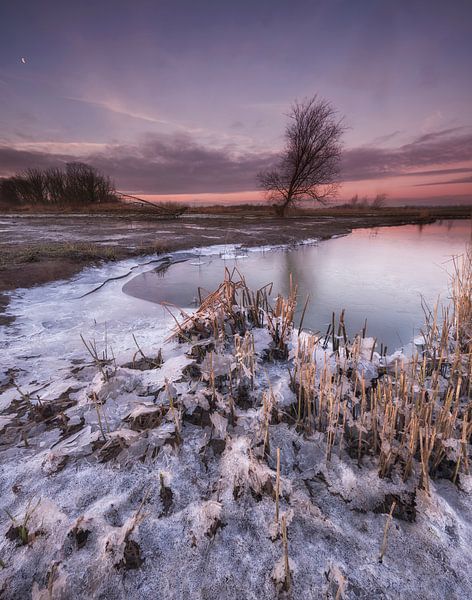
(188, 99)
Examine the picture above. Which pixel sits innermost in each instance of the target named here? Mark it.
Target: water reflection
(378, 274)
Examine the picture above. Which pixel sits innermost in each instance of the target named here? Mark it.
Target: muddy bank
(37, 273)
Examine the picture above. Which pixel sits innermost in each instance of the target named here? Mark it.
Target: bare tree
(34, 186)
(309, 164)
(84, 183)
(379, 201)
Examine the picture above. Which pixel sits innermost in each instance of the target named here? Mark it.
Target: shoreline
(28, 262)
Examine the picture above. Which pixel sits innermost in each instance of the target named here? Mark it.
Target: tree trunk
(284, 207)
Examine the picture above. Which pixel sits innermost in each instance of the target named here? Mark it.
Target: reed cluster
(414, 416)
(234, 309)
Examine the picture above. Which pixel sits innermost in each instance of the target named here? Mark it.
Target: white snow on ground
(44, 341)
(50, 319)
(172, 509)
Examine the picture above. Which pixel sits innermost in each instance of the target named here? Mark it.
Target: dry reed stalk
(427, 438)
(102, 362)
(383, 548)
(265, 419)
(300, 393)
(372, 350)
(286, 561)
(360, 422)
(311, 406)
(268, 402)
(463, 454)
(212, 377)
(100, 425)
(300, 326)
(329, 428)
(244, 352)
(412, 437)
(280, 318)
(373, 407)
(334, 407)
(156, 363)
(277, 487)
(324, 386)
(172, 408)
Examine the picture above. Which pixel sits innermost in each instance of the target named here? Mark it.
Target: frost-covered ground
(128, 478)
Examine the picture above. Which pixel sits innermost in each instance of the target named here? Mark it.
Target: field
(225, 452)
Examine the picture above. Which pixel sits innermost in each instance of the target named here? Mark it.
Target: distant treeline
(77, 183)
(357, 202)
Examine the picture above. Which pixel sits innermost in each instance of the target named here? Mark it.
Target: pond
(376, 274)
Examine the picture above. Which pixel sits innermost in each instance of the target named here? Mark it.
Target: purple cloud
(174, 164)
(439, 148)
(159, 165)
(460, 180)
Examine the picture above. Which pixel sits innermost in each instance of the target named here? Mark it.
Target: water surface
(378, 274)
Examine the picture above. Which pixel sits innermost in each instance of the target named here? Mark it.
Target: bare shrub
(78, 183)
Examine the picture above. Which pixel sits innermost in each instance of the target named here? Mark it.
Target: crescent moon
(23, 60)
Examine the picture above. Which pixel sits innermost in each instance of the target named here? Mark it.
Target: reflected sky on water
(378, 274)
